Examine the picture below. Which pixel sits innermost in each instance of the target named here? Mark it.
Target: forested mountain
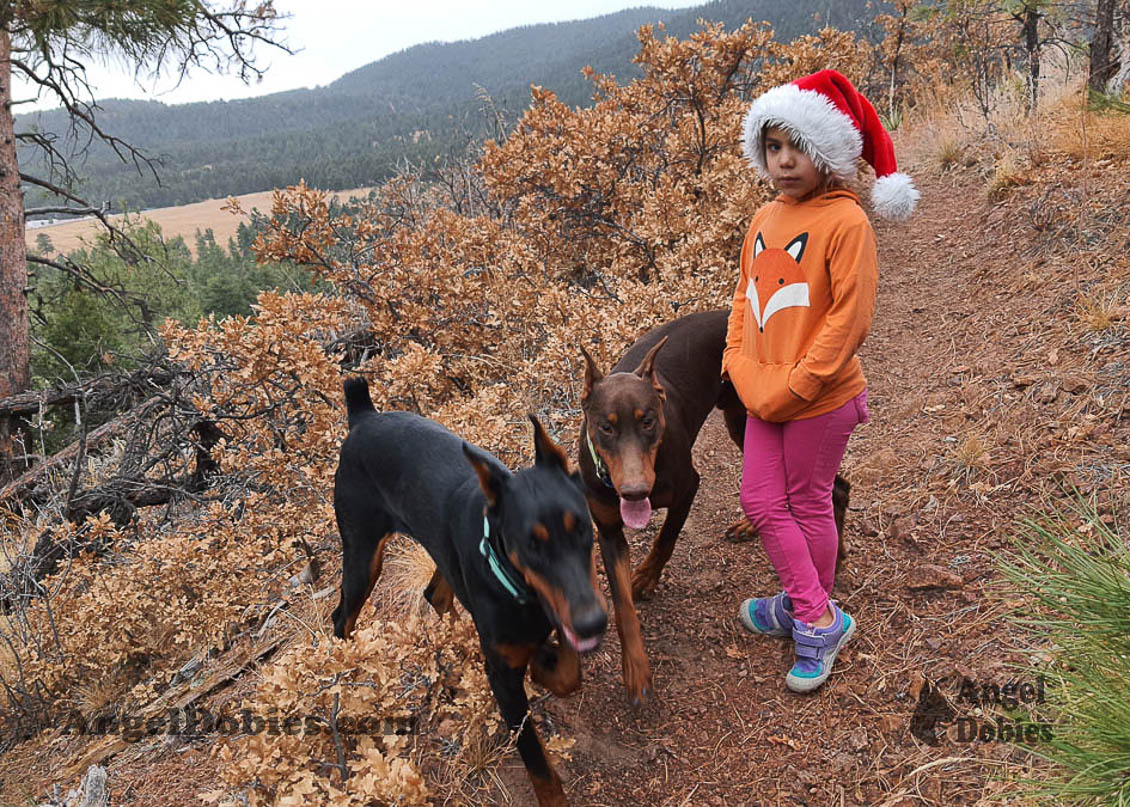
(412, 105)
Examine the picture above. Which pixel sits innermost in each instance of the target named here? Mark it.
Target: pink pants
(786, 493)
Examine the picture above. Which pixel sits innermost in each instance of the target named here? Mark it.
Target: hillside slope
(994, 385)
(412, 105)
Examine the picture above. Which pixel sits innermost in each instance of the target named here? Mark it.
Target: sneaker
(816, 650)
(768, 616)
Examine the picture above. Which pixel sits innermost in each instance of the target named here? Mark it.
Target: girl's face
(791, 170)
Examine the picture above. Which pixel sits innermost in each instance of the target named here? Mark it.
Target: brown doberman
(640, 422)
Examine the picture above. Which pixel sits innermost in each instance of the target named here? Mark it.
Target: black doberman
(640, 422)
(516, 549)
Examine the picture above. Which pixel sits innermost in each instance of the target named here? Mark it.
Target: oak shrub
(585, 227)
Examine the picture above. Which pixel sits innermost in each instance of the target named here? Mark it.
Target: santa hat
(835, 125)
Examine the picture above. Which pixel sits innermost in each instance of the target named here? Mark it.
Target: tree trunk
(14, 373)
(1032, 47)
(1103, 65)
(895, 63)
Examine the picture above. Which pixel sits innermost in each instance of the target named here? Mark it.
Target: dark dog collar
(517, 589)
(601, 471)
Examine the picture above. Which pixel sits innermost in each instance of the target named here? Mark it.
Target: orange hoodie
(802, 307)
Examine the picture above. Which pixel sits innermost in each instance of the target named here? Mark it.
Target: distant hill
(413, 105)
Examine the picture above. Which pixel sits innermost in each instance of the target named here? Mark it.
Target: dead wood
(26, 489)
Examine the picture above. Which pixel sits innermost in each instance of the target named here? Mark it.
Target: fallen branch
(121, 498)
(175, 700)
(22, 490)
(102, 387)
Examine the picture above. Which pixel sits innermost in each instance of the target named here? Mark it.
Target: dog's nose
(633, 492)
(591, 623)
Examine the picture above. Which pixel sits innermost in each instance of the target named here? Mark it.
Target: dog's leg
(646, 577)
(841, 496)
(740, 532)
(439, 594)
(361, 566)
(618, 567)
(557, 667)
(506, 681)
(735, 417)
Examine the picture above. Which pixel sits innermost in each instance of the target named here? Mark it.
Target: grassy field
(184, 221)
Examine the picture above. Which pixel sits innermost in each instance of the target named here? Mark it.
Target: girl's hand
(782, 406)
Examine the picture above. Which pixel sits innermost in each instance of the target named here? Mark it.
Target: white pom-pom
(895, 197)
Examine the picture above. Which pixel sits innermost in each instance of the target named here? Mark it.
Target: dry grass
(932, 104)
(14, 533)
(184, 221)
(1096, 311)
(9, 663)
(1107, 134)
(471, 774)
(407, 571)
(950, 153)
(970, 458)
(101, 694)
(947, 131)
(1010, 171)
(934, 143)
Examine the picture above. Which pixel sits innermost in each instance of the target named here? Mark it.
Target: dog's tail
(357, 400)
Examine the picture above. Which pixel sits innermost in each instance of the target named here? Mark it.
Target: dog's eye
(648, 422)
(606, 428)
(539, 534)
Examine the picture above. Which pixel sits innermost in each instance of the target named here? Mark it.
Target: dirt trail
(723, 729)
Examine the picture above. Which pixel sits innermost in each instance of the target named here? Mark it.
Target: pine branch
(59, 81)
(57, 162)
(101, 213)
(83, 278)
(70, 211)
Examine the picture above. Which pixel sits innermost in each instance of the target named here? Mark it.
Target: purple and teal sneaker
(769, 616)
(816, 650)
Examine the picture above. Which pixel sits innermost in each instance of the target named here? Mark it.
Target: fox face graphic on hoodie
(778, 281)
(802, 307)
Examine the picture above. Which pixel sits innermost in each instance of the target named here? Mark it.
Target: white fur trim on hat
(894, 196)
(825, 133)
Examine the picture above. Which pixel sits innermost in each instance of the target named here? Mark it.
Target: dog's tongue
(581, 645)
(635, 514)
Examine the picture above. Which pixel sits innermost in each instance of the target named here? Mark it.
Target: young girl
(802, 308)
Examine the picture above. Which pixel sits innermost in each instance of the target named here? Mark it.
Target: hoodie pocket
(861, 407)
(764, 389)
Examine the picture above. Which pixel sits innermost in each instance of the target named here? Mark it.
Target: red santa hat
(835, 125)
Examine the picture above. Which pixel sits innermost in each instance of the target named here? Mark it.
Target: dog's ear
(647, 366)
(592, 375)
(491, 478)
(646, 370)
(547, 452)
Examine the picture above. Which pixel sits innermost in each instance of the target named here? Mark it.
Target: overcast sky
(336, 36)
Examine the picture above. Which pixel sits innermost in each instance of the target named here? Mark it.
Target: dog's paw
(740, 532)
(639, 689)
(557, 670)
(637, 678)
(644, 584)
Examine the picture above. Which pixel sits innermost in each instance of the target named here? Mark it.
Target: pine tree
(49, 43)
